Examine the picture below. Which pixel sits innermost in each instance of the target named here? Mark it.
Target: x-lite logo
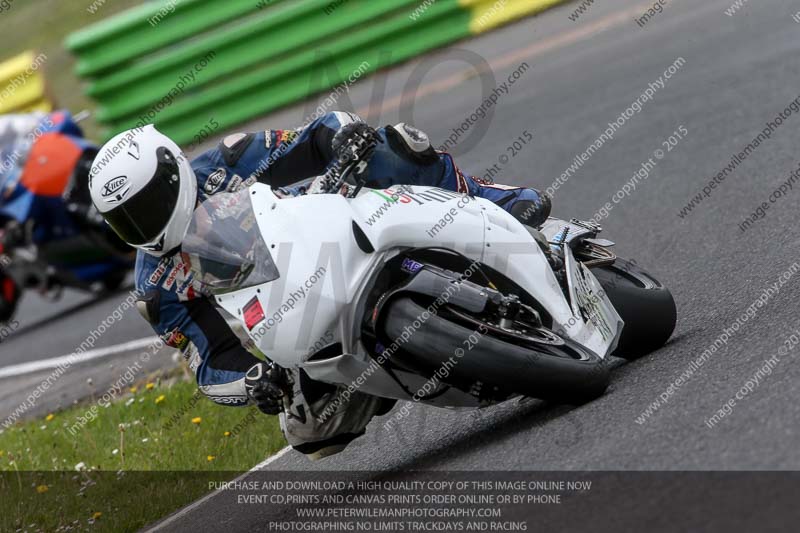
(115, 189)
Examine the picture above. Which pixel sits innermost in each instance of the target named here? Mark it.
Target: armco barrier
(22, 85)
(179, 64)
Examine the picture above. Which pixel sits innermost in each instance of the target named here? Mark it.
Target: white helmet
(145, 189)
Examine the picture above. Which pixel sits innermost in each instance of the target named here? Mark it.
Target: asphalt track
(739, 72)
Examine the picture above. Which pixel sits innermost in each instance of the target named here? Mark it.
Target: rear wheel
(646, 306)
(523, 359)
(9, 297)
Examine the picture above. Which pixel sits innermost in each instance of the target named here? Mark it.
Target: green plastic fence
(180, 63)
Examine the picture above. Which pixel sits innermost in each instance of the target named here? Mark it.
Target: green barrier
(134, 34)
(287, 33)
(180, 63)
(249, 103)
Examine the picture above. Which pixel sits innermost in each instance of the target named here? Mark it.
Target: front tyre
(646, 306)
(541, 365)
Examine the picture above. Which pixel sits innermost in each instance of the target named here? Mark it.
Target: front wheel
(646, 306)
(532, 362)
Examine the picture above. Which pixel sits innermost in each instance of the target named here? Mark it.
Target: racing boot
(531, 208)
(321, 420)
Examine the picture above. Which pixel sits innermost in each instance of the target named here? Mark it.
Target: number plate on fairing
(591, 306)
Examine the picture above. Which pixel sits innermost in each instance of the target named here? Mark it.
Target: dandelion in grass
(96, 515)
(211, 458)
(41, 489)
(227, 434)
(150, 386)
(196, 420)
(160, 399)
(50, 417)
(134, 390)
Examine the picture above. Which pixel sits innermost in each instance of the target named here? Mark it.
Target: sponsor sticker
(173, 275)
(116, 189)
(176, 339)
(285, 136)
(158, 272)
(410, 266)
(214, 181)
(235, 184)
(253, 313)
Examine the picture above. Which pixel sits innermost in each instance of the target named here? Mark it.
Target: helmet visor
(144, 216)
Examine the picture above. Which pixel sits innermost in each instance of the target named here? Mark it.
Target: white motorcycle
(425, 294)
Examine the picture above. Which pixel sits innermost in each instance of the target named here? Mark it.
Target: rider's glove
(265, 384)
(350, 133)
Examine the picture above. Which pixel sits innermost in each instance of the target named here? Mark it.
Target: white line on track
(74, 359)
(188, 509)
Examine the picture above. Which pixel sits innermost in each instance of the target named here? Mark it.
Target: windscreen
(224, 246)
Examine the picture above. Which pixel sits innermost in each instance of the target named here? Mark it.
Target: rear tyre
(548, 367)
(646, 306)
(9, 298)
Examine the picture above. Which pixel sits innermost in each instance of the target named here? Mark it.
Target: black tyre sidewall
(496, 362)
(8, 308)
(649, 313)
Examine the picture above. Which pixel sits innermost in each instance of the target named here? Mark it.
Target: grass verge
(133, 462)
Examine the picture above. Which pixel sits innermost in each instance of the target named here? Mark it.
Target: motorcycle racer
(146, 190)
(50, 235)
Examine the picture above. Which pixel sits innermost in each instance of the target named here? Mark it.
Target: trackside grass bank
(133, 462)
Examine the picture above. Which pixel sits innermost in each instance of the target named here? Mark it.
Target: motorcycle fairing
(313, 232)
